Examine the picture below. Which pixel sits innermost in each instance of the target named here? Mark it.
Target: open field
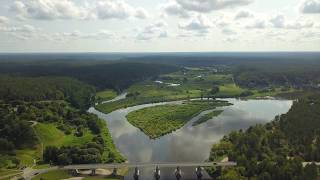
(50, 135)
(105, 95)
(55, 174)
(160, 120)
(64, 174)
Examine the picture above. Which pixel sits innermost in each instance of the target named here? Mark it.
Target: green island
(207, 117)
(163, 119)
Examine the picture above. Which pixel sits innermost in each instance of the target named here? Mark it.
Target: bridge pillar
(178, 173)
(75, 172)
(199, 172)
(114, 172)
(93, 172)
(157, 173)
(136, 174)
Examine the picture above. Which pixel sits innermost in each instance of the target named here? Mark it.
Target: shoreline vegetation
(163, 119)
(207, 117)
(276, 150)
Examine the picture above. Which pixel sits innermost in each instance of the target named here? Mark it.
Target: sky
(159, 25)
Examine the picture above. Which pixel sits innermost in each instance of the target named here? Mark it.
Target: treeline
(301, 74)
(276, 150)
(102, 75)
(13, 88)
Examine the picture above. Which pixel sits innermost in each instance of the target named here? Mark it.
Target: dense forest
(79, 94)
(276, 150)
(102, 75)
(254, 70)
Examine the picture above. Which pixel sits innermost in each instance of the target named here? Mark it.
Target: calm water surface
(190, 143)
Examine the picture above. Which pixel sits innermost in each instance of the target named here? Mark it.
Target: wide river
(188, 144)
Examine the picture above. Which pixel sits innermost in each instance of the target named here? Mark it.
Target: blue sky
(159, 26)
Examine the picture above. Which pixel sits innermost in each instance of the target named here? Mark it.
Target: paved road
(132, 165)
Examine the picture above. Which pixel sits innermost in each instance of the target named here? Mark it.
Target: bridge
(141, 165)
(156, 174)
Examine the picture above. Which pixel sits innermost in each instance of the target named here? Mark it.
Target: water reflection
(190, 143)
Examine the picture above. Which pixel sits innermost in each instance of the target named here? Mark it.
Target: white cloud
(22, 29)
(243, 14)
(205, 6)
(230, 39)
(141, 13)
(228, 31)
(23, 32)
(68, 9)
(3, 20)
(257, 24)
(154, 30)
(280, 21)
(199, 23)
(48, 9)
(310, 7)
(175, 9)
(113, 9)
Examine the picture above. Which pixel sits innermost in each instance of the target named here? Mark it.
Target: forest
(100, 74)
(276, 150)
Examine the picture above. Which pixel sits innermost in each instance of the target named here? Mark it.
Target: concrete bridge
(158, 166)
(141, 165)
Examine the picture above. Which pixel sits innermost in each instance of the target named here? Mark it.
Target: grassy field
(51, 136)
(207, 117)
(106, 95)
(160, 120)
(63, 174)
(52, 175)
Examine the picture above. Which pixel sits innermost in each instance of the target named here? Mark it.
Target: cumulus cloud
(257, 24)
(3, 20)
(48, 9)
(205, 6)
(280, 21)
(310, 7)
(243, 14)
(199, 23)
(23, 29)
(22, 32)
(175, 9)
(154, 30)
(141, 13)
(228, 31)
(68, 9)
(77, 35)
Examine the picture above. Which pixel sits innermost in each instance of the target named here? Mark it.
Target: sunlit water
(190, 143)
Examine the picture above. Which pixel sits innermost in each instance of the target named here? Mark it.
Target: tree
(50, 154)
(311, 172)
(214, 90)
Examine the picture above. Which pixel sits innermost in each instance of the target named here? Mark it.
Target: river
(190, 143)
